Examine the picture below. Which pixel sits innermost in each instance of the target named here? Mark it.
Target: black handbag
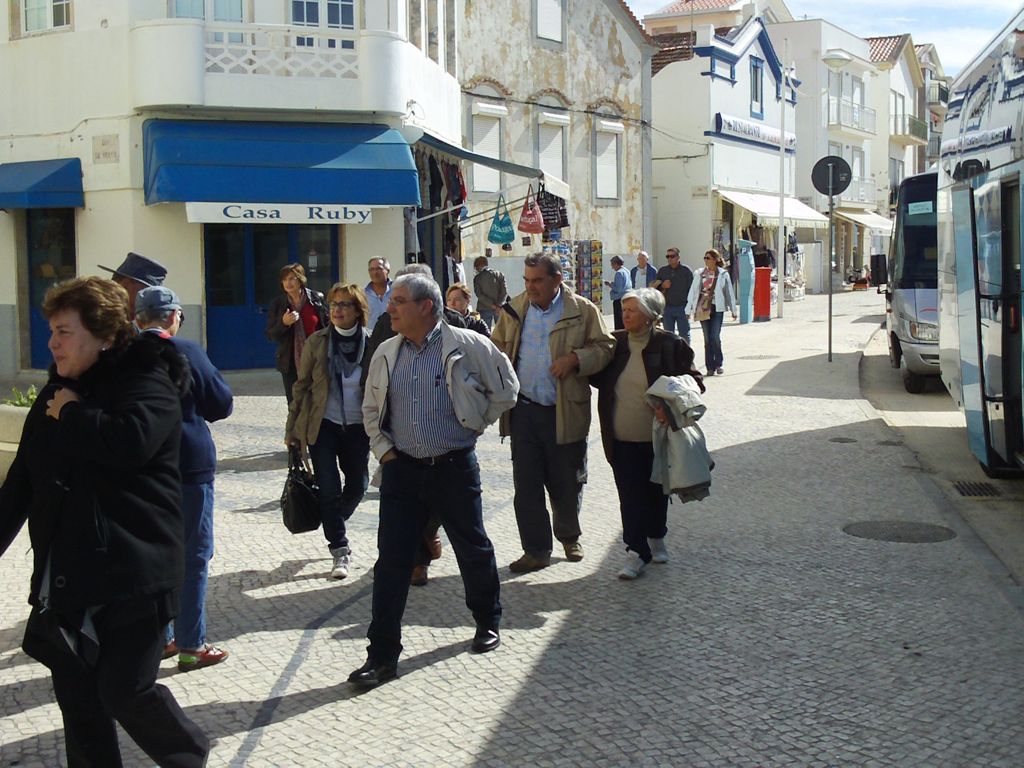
(300, 500)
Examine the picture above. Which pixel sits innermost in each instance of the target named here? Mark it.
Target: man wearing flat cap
(135, 273)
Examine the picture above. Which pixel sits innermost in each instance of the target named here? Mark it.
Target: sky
(959, 29)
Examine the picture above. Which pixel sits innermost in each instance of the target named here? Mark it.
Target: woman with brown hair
(97, 478)
(292, 318)
(326, 414)
(710, 295)
(457, 298)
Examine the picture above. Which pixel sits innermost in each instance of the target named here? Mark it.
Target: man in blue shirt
(619, 285)
(378, 290)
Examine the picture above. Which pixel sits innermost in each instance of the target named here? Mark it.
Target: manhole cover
(899, 531)
(841, 440)
(970, 488)
(760, 357)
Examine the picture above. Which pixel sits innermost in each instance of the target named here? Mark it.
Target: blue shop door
(51, 258)
(242, 266)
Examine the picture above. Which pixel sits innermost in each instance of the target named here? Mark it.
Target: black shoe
(372, 674)
(486, 639)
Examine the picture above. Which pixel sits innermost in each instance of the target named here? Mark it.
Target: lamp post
(780, 251)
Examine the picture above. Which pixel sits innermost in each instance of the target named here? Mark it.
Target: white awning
(766, 207)
(868, 219)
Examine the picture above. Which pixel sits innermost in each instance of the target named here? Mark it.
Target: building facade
(568, 95)
(222, 138)
(687, 15)
(935, 97)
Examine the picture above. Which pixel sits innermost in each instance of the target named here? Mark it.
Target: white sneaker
(342, 557)
(659, 554)
(634, 566)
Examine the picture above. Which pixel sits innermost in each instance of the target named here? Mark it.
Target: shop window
(607, 144)
(550, 17)
(756, 88)
(487, 119)
(42, 15)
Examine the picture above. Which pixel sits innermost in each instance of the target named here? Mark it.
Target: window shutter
(486, 141)
(606, 156)
(549, 19)
(551, 149)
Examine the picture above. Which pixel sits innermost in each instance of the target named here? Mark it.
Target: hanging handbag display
(553, 210)
(502, 229)
(300, 500)
(531, 220)
(706, 301)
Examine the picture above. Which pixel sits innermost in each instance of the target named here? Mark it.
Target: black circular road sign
(831, 175)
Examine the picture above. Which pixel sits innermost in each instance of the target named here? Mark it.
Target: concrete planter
(12, 420)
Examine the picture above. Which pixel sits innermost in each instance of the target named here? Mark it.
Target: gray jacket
(480, 379)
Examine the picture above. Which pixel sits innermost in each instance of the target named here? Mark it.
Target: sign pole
(831, 247)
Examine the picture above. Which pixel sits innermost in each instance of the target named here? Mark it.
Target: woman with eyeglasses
(292, 318)
(326, 414)
(710, 295)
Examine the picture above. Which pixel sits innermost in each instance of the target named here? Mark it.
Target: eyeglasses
(342, 304)
(672, 255)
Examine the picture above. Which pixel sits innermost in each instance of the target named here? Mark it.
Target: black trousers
(642, 504)
(617, 314)
(288, 378)
(122, 687)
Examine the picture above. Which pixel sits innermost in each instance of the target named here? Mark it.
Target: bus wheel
(914, 383)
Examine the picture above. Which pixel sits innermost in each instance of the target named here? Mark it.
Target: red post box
(762, 294)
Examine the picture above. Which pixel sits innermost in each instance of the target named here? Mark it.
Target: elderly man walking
(556, 340)
(431, 391)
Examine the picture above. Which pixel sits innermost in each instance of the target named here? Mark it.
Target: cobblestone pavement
(772, 637)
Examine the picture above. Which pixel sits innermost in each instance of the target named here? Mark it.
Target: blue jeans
(347, 448)
(675, 321)
(409, 493)
(712, 328)
(189, 628)
(489, 316)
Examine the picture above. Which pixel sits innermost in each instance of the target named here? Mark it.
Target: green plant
(23, 399)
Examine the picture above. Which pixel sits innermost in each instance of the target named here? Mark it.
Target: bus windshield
(914, 247)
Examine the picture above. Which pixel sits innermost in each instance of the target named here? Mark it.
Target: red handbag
(531, 220)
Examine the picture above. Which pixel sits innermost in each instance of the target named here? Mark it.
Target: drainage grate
(841, 440)
(899, 531)
(760, 357)
(971, 488)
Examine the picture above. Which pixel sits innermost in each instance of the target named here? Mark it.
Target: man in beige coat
(555, 340)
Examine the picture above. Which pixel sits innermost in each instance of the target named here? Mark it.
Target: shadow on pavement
(806, 377)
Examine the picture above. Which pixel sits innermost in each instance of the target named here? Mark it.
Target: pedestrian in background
(674, 280)
(643, 352)
(326, 414)
(618, 286)
(557, 339)
(158, 310)
(293, 317)
(96, 476)
(457, 298)
(710, 295)
(135, 273)
(431, 392)
(643, 274)
(378, 290)
(490, 290)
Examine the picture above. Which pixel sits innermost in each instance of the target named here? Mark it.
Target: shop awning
(42, 184)
(208, 161)
(868, 219)
(552, 184)
(766, 207)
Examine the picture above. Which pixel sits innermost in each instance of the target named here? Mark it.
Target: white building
(936, 102)
(834, 118)
(687, 15)
(900, 103)
(718, 104)
(222, 138)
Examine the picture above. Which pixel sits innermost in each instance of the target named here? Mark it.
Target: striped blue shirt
(422, 418)
(534, 365)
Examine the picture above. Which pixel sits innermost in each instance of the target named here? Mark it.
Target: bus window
(915, 252)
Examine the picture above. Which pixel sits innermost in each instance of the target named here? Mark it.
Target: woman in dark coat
(642, 354)
(292, 318)
(96, 476)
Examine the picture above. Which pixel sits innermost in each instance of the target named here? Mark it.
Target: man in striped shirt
(430, 392)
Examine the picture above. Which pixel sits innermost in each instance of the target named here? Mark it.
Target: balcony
(189, 63)
(847, 116)
(860, 191)
(938, 97)
(908, 130)
(934, 146)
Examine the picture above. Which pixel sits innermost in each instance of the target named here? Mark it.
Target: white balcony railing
(860, 191)
(282, 51)
(849, 114)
